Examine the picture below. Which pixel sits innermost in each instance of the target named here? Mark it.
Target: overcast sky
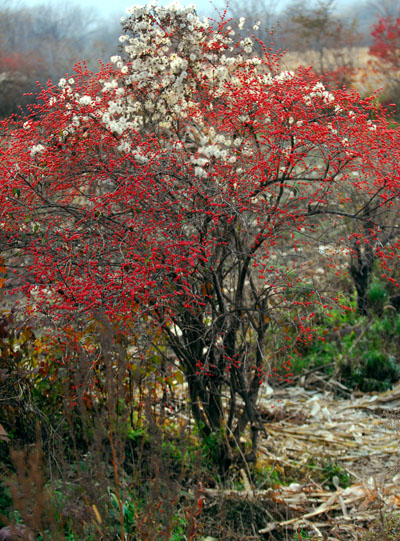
(117, 8)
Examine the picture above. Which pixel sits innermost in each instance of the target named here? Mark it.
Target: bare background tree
(44, 42)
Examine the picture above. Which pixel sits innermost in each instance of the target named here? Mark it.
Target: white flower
(76, 121)
(165, 125)
(71, 81)
(267, 79)
(199, 172)
(124, 146)
(62, 83)
(284, 76)
(36, 149)
(319, 87)
(85, 100)
(328, 97)
(109, 85)
(333, 130)
(210, 150)
(139, 157)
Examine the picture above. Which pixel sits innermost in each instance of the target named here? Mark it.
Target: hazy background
(41, 40)
(116, 8)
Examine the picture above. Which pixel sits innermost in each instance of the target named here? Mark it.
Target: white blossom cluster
(167, 53)
(319, 91)
(37, 149)
(159, 65)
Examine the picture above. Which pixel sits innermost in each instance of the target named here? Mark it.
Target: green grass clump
(362, 352)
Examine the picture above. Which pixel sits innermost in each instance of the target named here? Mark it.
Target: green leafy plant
(377, 296)
(335, 476)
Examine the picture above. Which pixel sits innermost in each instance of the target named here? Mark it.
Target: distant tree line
(44, 42)
(328, 37)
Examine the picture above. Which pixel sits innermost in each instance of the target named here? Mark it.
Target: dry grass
(367, 75)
